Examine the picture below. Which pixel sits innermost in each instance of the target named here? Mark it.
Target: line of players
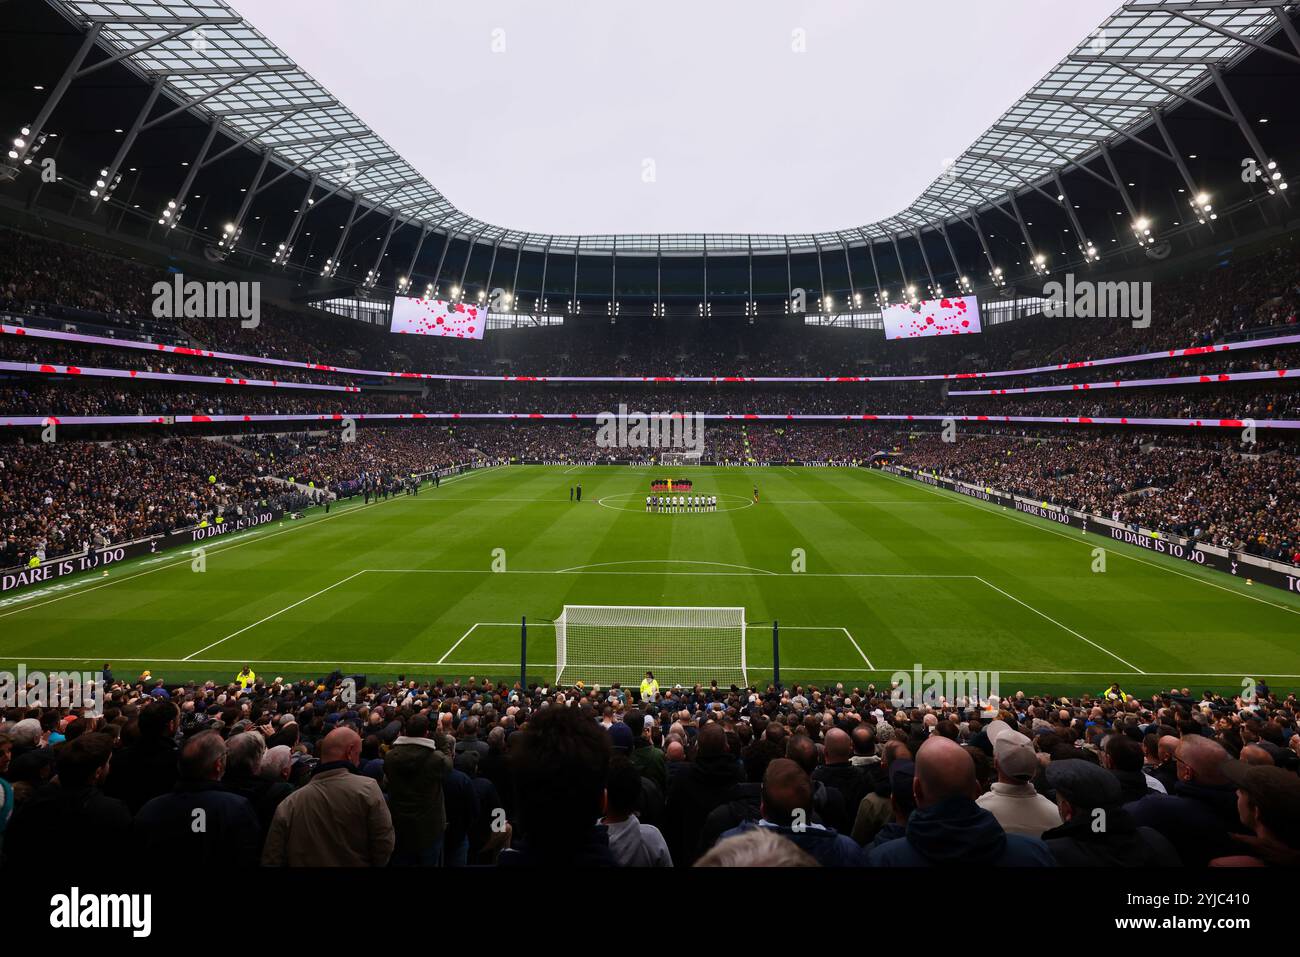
(681, 503)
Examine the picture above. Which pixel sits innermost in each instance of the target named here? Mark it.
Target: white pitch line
(302, 601)
(663, 561)
(967, 500)
(1061, 626)
(457, 644)
(860, 651)
(247, 537)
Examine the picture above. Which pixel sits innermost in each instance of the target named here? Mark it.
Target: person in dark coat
(787, 809)
(146, 768)
(705, 783)
(200, 821)
(495, 767)
(65, 817)
(839, 771)
(948, 827)
(1096, 831)
(1201, 813)
(1123, 757)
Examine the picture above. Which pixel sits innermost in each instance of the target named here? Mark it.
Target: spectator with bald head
(1201, 812)
(1166, 768)
(840, 772)
(948, 827)
(338, 819)
(787, 809)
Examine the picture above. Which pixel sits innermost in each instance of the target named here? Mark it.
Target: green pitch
(868, 575)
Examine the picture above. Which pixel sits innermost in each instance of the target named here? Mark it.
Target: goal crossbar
(687, 645)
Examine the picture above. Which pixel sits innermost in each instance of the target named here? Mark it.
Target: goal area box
(608, 644)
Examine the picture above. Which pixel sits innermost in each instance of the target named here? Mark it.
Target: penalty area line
(1061, 626)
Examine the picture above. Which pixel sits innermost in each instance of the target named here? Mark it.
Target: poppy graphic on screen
(955, 316)
(437, 317)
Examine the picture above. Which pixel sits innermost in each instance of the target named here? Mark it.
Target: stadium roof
(1149, 55)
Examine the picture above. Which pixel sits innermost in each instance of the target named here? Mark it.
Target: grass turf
(897, 574)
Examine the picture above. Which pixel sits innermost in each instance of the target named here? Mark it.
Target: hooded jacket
(828, 847)
(414, 771)
(959, 832)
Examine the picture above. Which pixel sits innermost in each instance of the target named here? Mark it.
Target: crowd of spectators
(108, 397)
(62, 497)
(39, 276)
(342, 771)
(1245, 502)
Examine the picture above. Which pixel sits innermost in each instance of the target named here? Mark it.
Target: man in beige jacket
(338, 819)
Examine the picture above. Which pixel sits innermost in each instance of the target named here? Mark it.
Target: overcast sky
(601, 116)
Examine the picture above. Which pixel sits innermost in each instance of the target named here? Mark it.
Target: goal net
(680, 458)
(604, 644)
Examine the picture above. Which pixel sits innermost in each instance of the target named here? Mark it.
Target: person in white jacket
(1013, 801)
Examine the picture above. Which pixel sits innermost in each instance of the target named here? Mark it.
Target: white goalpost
(680, 458)
(604, 644)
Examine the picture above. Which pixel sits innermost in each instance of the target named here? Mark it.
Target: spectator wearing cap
(948, 827)
(1268, 803)
(26, 736)
(632, 843)
(787, 809)
(414, 771)
(200, 820)
(1199, 815)
(1019, 808)
(1096, 831)
(62, 819)
(338, 819)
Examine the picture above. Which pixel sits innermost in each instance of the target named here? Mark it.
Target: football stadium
(653, 527)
